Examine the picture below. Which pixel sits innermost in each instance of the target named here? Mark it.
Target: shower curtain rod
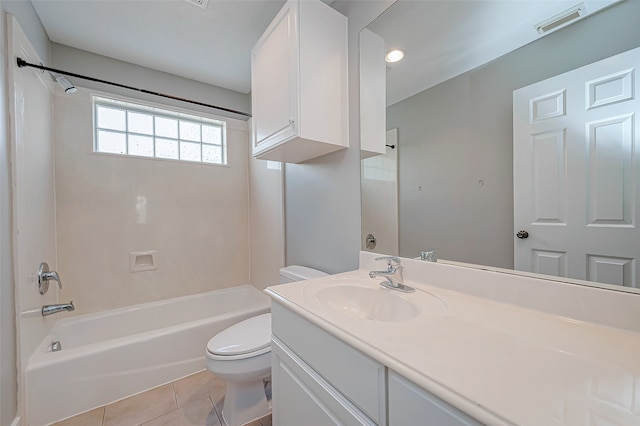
(22, 63)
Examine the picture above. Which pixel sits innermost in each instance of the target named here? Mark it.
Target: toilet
(241, 355)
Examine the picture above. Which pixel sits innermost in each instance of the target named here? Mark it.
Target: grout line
(215, 410)
(175, 396)
(104, 414)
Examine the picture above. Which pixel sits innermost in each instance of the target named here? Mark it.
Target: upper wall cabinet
(373, 97)
(299, 90)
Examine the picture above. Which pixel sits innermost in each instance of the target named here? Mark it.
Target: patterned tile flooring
(194, 400)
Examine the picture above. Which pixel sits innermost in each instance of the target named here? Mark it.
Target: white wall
(33, 194)
(461, 131)
(322, 196)
(266, 229)
(8, 378)
(194, 215)
(25, 14)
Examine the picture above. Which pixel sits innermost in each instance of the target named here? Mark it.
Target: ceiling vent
(200, 3)
(561, 19)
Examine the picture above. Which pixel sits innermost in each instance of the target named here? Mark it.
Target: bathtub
(110, 355)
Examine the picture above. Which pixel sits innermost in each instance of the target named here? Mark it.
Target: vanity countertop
(501, 363)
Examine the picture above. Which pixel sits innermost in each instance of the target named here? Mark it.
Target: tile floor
(194, 400)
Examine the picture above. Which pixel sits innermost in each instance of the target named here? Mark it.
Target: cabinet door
(302, 397)
(274, 81)
(411, 405)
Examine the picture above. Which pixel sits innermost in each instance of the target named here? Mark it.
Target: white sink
(365, 299)
(367, 303)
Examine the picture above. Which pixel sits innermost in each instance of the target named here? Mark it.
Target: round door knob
(522, 234)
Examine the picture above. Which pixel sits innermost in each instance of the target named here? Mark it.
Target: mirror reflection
(448, 182)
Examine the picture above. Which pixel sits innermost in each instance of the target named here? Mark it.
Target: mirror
(454, 128)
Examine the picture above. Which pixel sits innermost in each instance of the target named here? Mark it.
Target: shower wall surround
(107, 206)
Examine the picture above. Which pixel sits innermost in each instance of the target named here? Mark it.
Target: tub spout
(54, 309)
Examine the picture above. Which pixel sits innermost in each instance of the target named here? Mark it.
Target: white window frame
(135, 106)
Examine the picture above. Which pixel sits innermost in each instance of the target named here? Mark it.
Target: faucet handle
(53, 275)
(392, 261)
(429, 255)
(44, 276)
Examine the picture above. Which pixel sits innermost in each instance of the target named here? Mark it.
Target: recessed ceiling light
(394, 55)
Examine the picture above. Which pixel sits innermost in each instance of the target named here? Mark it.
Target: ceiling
(443, 38)
(210, 45)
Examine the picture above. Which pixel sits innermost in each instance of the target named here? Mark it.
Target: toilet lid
(244, 337)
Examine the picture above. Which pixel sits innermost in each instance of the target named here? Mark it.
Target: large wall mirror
(447, 179)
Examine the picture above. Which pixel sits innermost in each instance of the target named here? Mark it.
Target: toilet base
(244, 402)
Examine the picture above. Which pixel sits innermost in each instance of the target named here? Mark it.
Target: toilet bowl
(241, 355)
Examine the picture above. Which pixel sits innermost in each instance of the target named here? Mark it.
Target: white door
(577, 173)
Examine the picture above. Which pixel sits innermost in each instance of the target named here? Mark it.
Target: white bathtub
(110, 355)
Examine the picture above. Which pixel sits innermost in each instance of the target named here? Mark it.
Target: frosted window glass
(190, 151)
(189, 131)
(140, 123)
(167, 148)
(212, 134)
(211, 154)
(167, 127)
(141, 145)
(145, 131)
(110, 118)
(114, 143)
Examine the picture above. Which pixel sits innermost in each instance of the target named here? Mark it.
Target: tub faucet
(393, 275)
(54, 309)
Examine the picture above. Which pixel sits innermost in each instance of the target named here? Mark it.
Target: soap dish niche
(143, 261)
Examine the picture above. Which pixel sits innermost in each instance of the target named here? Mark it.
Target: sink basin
(376, 304)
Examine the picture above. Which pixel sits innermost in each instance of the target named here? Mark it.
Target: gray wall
(322, 196)
(459, 132)
(25, 14)
(92, 65)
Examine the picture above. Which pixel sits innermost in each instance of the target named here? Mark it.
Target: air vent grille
(561, 19)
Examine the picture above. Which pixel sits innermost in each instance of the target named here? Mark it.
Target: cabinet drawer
(410, 404)
(358, 377)
(302, 397)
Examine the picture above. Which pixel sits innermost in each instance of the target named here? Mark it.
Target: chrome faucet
(54, 309)
(393, 275)
(429, 255)
(44, 276)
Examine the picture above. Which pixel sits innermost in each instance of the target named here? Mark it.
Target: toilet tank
(292, 273)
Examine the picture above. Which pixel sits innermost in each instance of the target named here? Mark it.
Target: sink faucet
(54, 309)
(429, 255)
(393, 275)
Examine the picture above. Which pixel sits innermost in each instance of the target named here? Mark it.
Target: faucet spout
(54, 309)
(393, 275)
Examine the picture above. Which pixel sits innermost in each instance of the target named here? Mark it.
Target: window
(138, 130)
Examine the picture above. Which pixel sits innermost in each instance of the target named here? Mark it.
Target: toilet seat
(246, 339)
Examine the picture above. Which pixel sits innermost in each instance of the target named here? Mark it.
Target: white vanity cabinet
(317, 379)
(409, 403)
(299, 90)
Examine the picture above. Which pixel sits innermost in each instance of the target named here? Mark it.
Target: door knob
(522, 234)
